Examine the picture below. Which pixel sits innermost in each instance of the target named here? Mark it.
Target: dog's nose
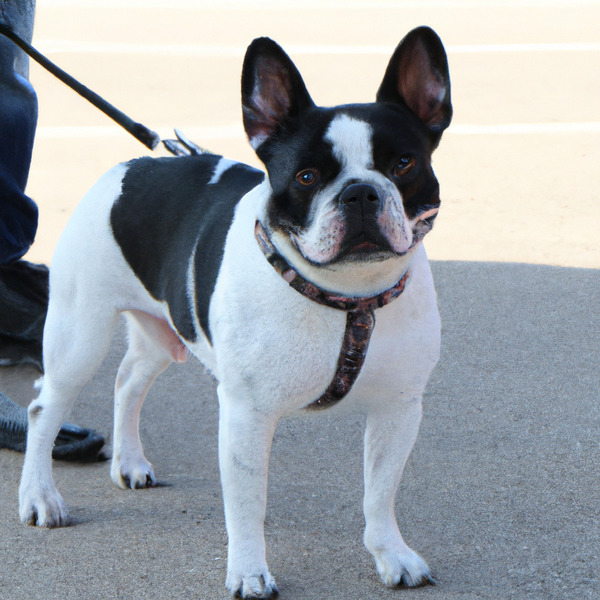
(360, 196)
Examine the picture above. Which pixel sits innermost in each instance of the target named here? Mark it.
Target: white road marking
(318, 4)
(52, 47)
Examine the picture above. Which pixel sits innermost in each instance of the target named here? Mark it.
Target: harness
(360, 319)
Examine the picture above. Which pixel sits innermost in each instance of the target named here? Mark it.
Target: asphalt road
(501, 493)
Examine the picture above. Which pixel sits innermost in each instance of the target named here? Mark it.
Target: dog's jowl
(305, 289)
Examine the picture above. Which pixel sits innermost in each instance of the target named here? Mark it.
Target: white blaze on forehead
(351, 142)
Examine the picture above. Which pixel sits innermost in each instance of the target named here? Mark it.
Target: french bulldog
(302, 290)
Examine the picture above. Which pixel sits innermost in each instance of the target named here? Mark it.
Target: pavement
(501, 493)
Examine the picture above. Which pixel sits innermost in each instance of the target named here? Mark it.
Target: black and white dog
(299, 290)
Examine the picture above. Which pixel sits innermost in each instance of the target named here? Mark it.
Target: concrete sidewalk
(500, 495)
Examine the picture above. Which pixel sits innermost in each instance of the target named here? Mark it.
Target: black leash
(149, 138)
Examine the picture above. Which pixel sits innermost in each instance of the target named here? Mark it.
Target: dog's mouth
(365, 245)
(365, 248)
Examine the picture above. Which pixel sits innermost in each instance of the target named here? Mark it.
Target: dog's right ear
(273, 91)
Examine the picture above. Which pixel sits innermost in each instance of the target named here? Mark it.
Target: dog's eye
(405, 163)
(307, 177)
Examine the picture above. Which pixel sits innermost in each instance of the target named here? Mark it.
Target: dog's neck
(350, 279)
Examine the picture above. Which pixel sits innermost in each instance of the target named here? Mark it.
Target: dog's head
(352, 183)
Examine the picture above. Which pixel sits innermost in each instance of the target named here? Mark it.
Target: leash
(360, 319)
(149, 138)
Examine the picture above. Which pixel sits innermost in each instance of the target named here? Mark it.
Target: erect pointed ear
(272, 90)
(417, 76)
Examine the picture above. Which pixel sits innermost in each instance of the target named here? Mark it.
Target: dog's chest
(282, 349)
(274, 344)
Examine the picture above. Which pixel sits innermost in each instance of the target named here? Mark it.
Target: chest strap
(360, 320)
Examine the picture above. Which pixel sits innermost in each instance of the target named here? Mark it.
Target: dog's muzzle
(360, 204)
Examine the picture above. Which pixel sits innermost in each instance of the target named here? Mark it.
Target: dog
(304, 289)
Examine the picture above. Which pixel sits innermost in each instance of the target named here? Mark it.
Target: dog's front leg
(40, 502)
(245, 436)
(390, 435)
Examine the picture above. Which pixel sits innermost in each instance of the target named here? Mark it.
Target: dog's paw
(254, 586)
(134, 475)
(43, 508)
(402, 569)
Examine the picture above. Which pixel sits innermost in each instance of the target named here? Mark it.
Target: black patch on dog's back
(166, 210)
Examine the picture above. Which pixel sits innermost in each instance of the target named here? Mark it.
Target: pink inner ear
(270, 101)
(420, 85)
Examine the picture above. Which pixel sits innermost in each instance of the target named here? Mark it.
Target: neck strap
(311, 291)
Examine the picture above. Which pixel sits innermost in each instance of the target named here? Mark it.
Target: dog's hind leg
(153, 346)
(390, 435)
(75, 343)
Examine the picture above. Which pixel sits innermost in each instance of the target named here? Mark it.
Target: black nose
(360, 196)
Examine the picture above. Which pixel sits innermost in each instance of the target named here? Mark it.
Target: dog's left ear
(273, 91)
(417, 76)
